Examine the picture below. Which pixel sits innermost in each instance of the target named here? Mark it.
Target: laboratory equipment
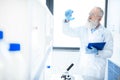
(66, 75)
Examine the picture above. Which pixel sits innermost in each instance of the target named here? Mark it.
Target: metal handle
(70, 67)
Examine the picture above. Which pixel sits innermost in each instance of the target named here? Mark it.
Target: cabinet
(113, 71)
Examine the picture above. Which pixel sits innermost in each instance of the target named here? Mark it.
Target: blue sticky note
(14, 47)
(98, 46)
(1, 34)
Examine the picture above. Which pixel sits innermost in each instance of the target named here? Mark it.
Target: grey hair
(101, 11)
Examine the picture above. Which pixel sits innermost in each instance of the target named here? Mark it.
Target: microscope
(66, 75)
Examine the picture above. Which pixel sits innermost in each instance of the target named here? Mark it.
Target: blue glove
(68, 14)
(93, 50)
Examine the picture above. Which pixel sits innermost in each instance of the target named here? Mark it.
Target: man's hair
(101, 11)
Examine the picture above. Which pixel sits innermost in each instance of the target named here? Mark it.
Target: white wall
(81, 10)
(113, 23)
(113, 20)
(42, 25)
(14, 23)
(26, 22)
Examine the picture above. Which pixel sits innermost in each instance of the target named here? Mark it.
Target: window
(49, 4)
(81, 10)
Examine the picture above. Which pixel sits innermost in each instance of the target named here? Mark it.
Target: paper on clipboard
(98, 45)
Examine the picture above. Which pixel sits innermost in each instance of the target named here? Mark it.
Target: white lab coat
(92, 65)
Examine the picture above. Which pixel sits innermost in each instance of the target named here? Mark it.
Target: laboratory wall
(113, 24)
(15, 24)
(42, 30)
(25, 26)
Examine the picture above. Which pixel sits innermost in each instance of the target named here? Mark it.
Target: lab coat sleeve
(108, 48)
(73, 32)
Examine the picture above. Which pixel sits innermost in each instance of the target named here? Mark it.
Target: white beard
(91, 24)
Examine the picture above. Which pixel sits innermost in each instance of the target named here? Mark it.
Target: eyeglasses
(93, 14)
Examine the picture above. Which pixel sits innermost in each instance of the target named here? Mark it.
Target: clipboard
(98, 45)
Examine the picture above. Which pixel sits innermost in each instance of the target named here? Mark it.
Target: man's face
(93, 19)
(92, 24)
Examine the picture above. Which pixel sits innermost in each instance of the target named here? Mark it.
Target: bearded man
(92, 60)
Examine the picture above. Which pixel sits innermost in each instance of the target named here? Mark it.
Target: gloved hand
(93, 50)
(68, 15)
